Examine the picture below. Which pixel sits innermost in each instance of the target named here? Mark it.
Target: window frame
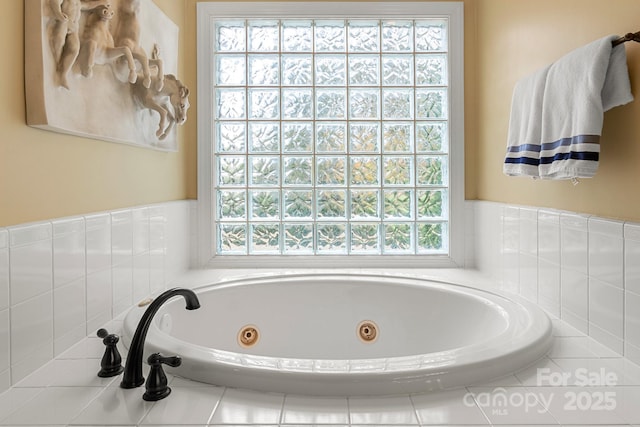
(207, 12)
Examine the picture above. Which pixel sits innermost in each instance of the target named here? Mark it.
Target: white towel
(525, 125)
(557, 112)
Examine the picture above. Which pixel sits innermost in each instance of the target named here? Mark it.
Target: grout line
(216, 406)
(624, 293)
(9, 312)
(478, 406)
(281, 416)
(415, 412)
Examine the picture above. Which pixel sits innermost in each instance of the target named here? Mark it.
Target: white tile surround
(61, 280)
(584, 271)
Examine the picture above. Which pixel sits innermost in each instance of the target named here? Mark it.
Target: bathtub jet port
(248, 336)
(367, 331)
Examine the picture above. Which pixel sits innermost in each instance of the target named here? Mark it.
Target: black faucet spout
(133, 368)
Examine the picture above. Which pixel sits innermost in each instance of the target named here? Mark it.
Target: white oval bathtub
(430, 335)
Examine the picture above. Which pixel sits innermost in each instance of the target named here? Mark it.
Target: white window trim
(207, 12)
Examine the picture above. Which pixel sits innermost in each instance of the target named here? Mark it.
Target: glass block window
(331, 136)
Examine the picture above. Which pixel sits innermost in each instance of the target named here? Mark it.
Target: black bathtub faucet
(133, 368)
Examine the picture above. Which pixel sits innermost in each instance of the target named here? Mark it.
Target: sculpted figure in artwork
(97, 44)
(171, 101)
(64, 33)
(127, 33)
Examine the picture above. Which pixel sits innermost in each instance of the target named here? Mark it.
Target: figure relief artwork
(64, 33)
(97, 44)
(127, 33)
(165, 95)
(93, 69)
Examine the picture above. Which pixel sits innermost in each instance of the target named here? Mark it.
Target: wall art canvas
(104, 69)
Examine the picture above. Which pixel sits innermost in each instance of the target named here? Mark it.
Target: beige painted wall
(48, 175)
(514, 39)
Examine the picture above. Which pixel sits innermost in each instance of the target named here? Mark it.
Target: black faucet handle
(156, 384)
(107, 338)
(111, 363)
(173, 361)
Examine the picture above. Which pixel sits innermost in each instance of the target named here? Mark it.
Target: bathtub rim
(409, 373)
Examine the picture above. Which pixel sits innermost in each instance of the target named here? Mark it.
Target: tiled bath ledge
(582, 269)
(585, 271)
(61, 279)
(580, 382)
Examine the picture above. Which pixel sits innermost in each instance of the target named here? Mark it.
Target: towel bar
(627, 38)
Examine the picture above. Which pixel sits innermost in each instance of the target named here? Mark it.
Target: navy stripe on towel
(535, 148)
(574, 152)
(573, 155)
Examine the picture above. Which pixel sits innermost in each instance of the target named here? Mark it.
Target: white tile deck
(579, 383)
